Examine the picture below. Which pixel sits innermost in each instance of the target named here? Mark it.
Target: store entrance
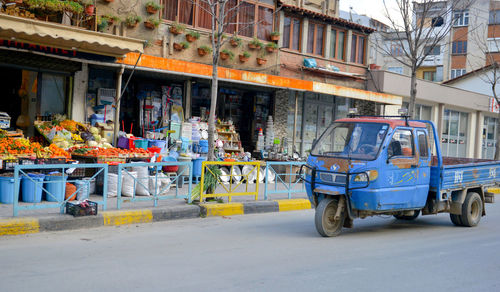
(10, 82)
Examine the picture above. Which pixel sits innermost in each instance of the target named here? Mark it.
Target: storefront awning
(245, 77)
(66, 37)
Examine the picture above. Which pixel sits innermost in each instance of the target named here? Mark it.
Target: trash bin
(197, 163)
(55, 188)
(6, 189)
(32, 187)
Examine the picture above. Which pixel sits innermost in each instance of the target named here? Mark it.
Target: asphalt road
(262, 252)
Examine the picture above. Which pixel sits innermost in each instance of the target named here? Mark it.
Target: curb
(116, 218)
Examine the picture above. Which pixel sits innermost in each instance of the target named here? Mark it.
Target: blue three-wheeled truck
(366, 166)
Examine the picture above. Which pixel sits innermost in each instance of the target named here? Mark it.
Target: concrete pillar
(471, 135)
(280, 116)
(328, 40)
(440, 114)
(80, 86)
(188, 98)
(118, 97)
(305, 32)
(348, 46)
(281, 27)
(478, 149)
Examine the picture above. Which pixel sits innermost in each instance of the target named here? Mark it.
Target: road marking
(116, 218)
(19, 226)
(223, 209)
(293, 204)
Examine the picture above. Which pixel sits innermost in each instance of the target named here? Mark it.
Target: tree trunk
(497, 142)
(413, 94)
(211, 117)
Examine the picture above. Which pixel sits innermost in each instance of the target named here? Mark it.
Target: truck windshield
(355, 140)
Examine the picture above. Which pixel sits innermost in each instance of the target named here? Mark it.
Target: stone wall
(280, 115)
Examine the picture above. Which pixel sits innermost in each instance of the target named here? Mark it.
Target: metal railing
(22, 171)
(232, 185)
(158, 189)
(289, 179)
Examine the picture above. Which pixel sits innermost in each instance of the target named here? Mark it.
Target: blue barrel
(56, 188)
(6, 190)
(203, 146)
(32, 187)
(197, 166)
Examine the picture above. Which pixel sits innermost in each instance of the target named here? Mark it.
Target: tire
(472, 210)
(408, 218)
(456, 219)
(326, 225)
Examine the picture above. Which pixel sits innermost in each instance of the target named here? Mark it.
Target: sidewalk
(33, 221)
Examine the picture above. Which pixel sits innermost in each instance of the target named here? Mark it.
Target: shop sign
(55, 51)
(494, 108)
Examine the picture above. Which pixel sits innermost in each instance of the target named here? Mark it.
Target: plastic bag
(142, 178)
(128, 183)
(310, 63)
(162, 184)
(112, 185)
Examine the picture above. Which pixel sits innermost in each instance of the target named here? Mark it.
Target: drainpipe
(118, 103)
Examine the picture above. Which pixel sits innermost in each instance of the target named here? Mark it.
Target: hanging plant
(261, 61)
(216, 35)
(203, 50)
(102, 24)
(153, 7)
(109, 1)
(255, 44)
(235, 41)
(181, 46)
(271, 47)
(151, 23)
(133, 20)
(226, 54)
(274, 36)
(192, 36)
(176, 28)
(111, 19)
(244, 57)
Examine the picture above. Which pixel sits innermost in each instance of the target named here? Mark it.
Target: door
(401, 173)
(424, 164)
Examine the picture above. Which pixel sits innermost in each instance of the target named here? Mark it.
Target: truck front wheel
(325, 221)
(472, 210)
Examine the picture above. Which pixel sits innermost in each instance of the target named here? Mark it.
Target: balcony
(433, 60)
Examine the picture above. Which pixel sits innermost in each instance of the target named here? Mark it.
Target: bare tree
(418, 27)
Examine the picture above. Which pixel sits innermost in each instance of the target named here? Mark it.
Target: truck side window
(422, 144)
(401, 144)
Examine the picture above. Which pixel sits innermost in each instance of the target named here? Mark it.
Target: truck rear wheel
(408, 218)
(324, 219)
(456, 220)
(472, 210)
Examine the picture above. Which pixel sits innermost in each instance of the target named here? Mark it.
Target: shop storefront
(489, 137)
(455, 133)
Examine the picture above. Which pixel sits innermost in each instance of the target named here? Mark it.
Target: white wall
(79, 92)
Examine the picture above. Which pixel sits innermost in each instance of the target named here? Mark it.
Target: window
(358, 49)
(428, 50)
(337, 44)
(489, 137)
(493, 45)
(291, 33)
(459, 47)
(422, 112)
(315, 38)
(461, 18)
(454, 135)
(437, 21)
(456, 73)
(423, 147)
(396, 50)
(401, 144)
(250, 18)
(430, 75)
(494, 17)
(398, 70)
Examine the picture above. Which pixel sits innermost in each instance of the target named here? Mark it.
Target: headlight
(307, 171)
(363, 177)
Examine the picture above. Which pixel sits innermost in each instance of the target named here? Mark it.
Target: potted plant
(73, 7)
(254, 44)
(109, 1)
(192, 36)
(151, 23)
(153, 7)
(216, 35)
(274, 36)
(89, 6)
(261, 60)
(176, 28)
(235, 41)
(102, 24)
(133, 20)
(203, 50)
(181, 46)
(244, 57)
(110, 18)
(271, 47)
(226, 54)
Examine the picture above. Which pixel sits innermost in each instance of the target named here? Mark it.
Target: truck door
(402, 173)
(424, 164)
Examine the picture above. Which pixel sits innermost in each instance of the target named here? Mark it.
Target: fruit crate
(77, 210)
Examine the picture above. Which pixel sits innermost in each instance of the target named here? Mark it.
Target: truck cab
(367, 166)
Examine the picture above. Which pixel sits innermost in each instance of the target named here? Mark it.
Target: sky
(373, 8)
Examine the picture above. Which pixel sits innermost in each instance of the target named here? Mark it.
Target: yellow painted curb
(293, 204)
(116, 218)
(493, 190)
(19, 226)
(223, 209)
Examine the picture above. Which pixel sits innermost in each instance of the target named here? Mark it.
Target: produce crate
(77, 210)
(88, 172)
(58, 160)
(8, 164)
(106, 159)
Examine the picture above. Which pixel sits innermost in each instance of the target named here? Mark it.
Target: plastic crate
(8, 164)
(77, 210)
